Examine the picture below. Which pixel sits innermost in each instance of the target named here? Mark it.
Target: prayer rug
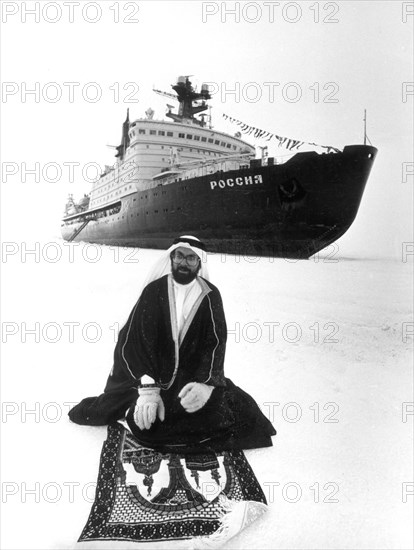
(146, 496)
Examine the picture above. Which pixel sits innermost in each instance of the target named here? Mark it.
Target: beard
(183, 274)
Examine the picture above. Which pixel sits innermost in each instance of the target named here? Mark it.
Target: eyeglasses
(191, 259)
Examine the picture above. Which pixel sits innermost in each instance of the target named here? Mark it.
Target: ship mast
(366, 138)
(365, 126)
(189, 101)
(125, 141)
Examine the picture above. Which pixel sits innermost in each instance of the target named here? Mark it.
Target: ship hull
(291, 210)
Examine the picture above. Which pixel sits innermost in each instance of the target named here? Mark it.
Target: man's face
(185, 265)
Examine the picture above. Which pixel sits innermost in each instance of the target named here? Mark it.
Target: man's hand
(149, 404)
(194, 396)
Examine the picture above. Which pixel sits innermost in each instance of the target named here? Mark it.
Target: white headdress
(163, 265)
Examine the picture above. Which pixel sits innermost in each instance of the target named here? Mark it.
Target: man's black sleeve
(136, 350)
(214, 344)
(134, 356)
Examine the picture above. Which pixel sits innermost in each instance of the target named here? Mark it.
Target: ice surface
(333, 375)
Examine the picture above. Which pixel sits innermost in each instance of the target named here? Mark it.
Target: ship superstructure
(157, 149)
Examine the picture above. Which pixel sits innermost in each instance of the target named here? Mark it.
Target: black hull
(291, 210)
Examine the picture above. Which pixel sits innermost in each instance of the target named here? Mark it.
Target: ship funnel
(181, 80)
(204, 88)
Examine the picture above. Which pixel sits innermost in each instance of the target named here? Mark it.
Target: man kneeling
(168, 374)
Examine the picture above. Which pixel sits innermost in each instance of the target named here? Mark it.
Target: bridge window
(217, 142)
(141, 131)
(203, 139)
(170, 134)
(189, 136)
(161, 133)
(210, 140)
(181, 135)
(228, 146)
(197, 138)
(153, 132)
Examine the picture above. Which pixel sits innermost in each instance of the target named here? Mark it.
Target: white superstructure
(157, 146)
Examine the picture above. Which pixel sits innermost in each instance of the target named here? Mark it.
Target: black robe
(149, 344)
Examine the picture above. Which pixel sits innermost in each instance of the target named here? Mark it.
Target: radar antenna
(190, 101)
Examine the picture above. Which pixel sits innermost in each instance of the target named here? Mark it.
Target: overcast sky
(324, 62)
